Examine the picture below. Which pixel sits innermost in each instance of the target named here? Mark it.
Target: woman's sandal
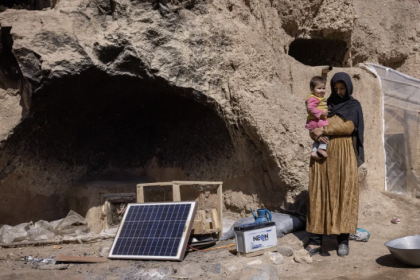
(313, 250)
(343, 250)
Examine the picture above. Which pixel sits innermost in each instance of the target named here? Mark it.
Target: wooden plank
(215, 219)
(220, 207)
(76, 259)
(196, 183)
(210, 230)
(140, 194)
(197, 227)
(176, 193)
(120, 197)
(257, 253)
(202, 216)
(155, 184)
(32, 243)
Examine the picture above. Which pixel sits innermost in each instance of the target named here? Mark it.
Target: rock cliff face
(194, 90)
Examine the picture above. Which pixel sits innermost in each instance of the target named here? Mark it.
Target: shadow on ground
(390, 261)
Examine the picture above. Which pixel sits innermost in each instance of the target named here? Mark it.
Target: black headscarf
(348, 108)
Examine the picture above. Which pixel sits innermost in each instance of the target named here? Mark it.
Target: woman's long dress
(333, 184)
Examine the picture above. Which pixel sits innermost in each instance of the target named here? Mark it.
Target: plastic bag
(36, 234)
(84, 238)
(284, 225)
(227, 224)
(109, 233)
(70, 224)
(361, 235)
(41, 230)
(9, 234)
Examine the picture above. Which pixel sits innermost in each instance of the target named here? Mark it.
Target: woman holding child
(333, 179)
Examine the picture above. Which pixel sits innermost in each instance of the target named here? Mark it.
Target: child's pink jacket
(311, 124)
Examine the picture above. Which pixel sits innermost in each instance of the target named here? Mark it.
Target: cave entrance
(92, 134)
(26, 4)
(319, 52)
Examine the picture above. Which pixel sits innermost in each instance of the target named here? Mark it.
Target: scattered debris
(32, 260)
(361, 235)
(395, 220)
(57, 247)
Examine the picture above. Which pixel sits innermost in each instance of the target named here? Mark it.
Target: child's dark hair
(316, 80)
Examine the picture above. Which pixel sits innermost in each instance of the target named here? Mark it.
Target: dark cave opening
(100, 121)
(319, 52)
(95, 127)
(8, 63)
(25, 4)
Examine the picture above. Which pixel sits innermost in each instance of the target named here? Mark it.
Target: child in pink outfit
(317, 108)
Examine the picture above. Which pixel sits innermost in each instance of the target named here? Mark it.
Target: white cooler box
(254, 237)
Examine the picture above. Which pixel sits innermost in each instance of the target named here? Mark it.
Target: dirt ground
(367, 260)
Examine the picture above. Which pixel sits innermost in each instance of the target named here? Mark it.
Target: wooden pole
(176, 192)
(220, 207)
(140, 194)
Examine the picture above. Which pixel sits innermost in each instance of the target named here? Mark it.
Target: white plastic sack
(85, 238)
(9, 234)
(109, 233)
(37, 234)
(227, 224)
(70, 224)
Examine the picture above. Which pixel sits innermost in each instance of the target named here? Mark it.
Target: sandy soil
(370, 260)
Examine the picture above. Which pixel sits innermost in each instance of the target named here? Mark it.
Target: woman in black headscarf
(333, 182)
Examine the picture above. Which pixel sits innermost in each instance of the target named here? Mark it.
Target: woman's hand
(316, 135)
(323, 139)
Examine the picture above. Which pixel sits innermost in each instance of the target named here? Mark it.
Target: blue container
(263, 216)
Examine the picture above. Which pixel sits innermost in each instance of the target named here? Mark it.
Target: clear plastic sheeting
(71, 229)
(71, 224)
(14, 234)
(401, 97)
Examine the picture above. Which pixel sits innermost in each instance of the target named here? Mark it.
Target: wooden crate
(201, 226)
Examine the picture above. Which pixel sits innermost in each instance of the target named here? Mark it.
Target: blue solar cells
(152, 230)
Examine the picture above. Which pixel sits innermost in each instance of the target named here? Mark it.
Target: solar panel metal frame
(184, 238)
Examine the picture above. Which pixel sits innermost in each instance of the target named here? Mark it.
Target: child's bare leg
(323, 153)
(314, 153)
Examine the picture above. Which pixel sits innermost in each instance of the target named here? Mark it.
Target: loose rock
(273, 257)
(285, 251)
(302, 256)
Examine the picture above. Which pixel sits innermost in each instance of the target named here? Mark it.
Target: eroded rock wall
(92, 65)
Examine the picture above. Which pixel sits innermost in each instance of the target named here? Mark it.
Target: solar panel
(154, 231)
